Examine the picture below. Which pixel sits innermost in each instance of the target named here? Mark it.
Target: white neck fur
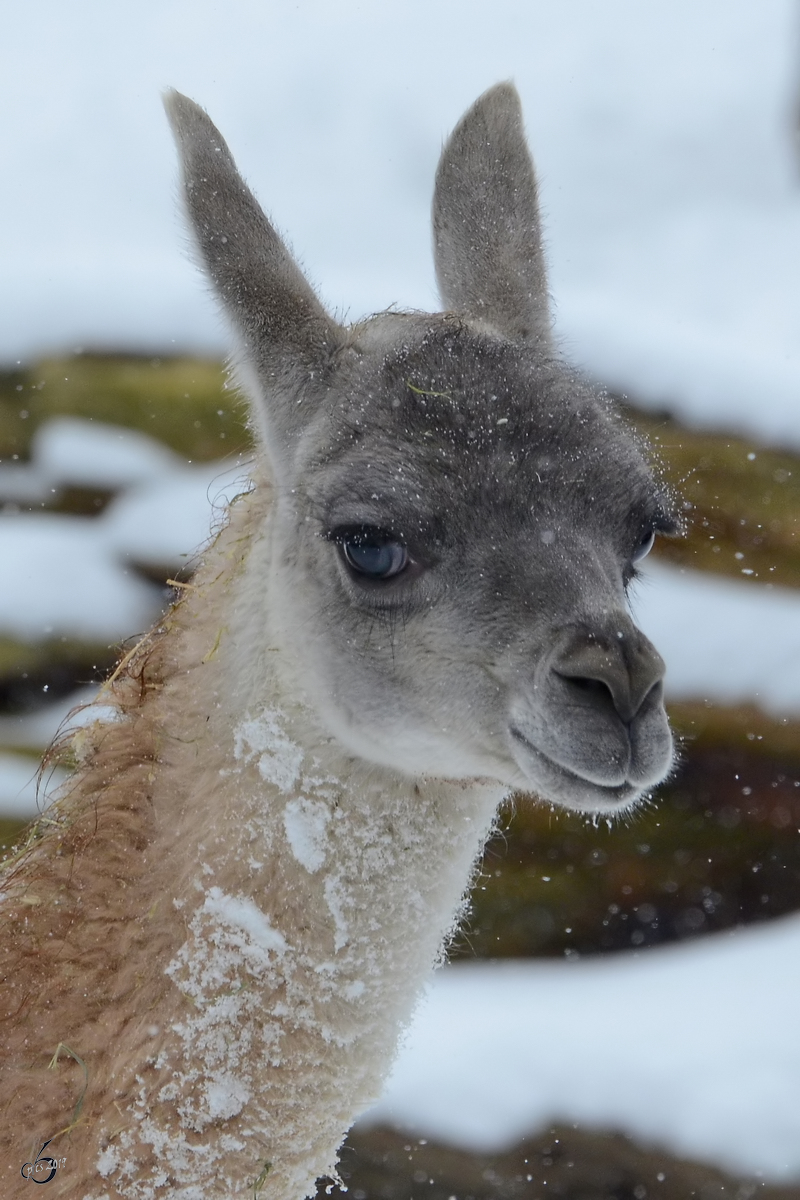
(317, 891)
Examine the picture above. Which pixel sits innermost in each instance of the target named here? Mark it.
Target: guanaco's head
(458, 515)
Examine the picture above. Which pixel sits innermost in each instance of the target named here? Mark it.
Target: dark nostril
(617, 667)
(595, 687)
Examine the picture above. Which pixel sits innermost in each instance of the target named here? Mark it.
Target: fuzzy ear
(287, 336)
(486, 233)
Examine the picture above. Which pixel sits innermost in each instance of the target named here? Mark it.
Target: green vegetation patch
(567, 1162)
(744, 514)
(31, 672)
(11, 831)
(719, 847)
(184, 402)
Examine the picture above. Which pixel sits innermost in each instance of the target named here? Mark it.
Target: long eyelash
(341, 533)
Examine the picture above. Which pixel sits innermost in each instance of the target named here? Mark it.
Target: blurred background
(619, 1018)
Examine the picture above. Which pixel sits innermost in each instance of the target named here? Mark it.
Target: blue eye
(644, 547)
(374, 554)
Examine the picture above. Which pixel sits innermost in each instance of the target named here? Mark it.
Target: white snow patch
(59, 579)
(21, 793)
(336, 899)
(695, 1047)
(73, 451)
(306, 825)
(37, 729)
(231, 944)
(107, 1160)
(723, 640)
(239, 912)
(164, 521)
(263, 737)
(92, 454)
(225, 1097)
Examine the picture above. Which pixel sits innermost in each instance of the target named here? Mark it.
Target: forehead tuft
(463, 386)
(459, 413)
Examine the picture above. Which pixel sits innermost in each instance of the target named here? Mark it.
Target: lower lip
(618, 794)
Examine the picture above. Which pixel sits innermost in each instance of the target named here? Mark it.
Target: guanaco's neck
(287, 905)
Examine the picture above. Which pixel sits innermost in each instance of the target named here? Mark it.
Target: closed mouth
(597, 795)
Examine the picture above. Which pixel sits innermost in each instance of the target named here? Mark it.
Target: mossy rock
(11, 834)
(565, 1162)
(53, 667)
(184, 402)
(742, 502)
(718, 847)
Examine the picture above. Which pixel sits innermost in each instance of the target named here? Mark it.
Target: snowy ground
(665, 134)
(73, 576)
(694, 1047)
(722, 640)
(22, 792)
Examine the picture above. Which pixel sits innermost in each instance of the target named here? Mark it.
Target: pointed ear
(288, 338)
(486, 233)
